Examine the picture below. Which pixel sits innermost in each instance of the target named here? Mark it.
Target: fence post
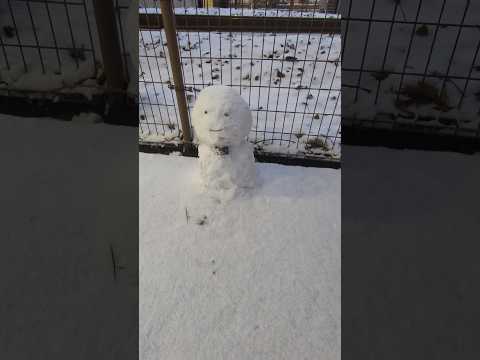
(110, 45)
(332, 5)
(168, 17)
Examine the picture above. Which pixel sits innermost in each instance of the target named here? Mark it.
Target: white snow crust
(257, 277)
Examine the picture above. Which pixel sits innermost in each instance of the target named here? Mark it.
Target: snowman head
(221, 117)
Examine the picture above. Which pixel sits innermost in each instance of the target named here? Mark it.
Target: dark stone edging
(306, 161)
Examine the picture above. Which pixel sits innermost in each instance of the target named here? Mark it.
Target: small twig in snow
(272, 140)
(357, 87)
(114, 262)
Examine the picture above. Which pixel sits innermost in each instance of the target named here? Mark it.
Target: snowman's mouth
(216, 130)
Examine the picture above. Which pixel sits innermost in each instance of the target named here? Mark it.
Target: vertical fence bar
(110, 44)
(172, 45)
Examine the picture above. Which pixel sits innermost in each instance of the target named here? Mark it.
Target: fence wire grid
(52, 47)
(412, 65)
(290, 78)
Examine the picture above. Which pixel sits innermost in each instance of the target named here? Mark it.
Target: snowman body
(222, 120)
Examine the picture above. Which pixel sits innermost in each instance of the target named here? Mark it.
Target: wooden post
(172, 45)
(332, 5)
(110, 45)
(223, 3)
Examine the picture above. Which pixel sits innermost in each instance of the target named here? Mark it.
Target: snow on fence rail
(329, 5)
(418, 68)
(290, 78)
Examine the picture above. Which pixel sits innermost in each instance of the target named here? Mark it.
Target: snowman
(222, 120)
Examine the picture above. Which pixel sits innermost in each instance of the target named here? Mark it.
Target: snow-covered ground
(254, 278)
(410, 224)
(69, 196)
(453, 53)
(291, 83)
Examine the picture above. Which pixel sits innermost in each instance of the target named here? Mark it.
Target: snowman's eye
(205, 112)
(226, 114)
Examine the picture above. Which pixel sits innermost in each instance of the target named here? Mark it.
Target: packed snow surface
(257, 277)
(71, 196)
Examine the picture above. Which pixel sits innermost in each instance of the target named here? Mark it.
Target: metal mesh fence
(412, 65)
(284, 61)
(52, 47)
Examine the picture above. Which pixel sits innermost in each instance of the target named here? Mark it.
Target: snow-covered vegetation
(419, 74)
